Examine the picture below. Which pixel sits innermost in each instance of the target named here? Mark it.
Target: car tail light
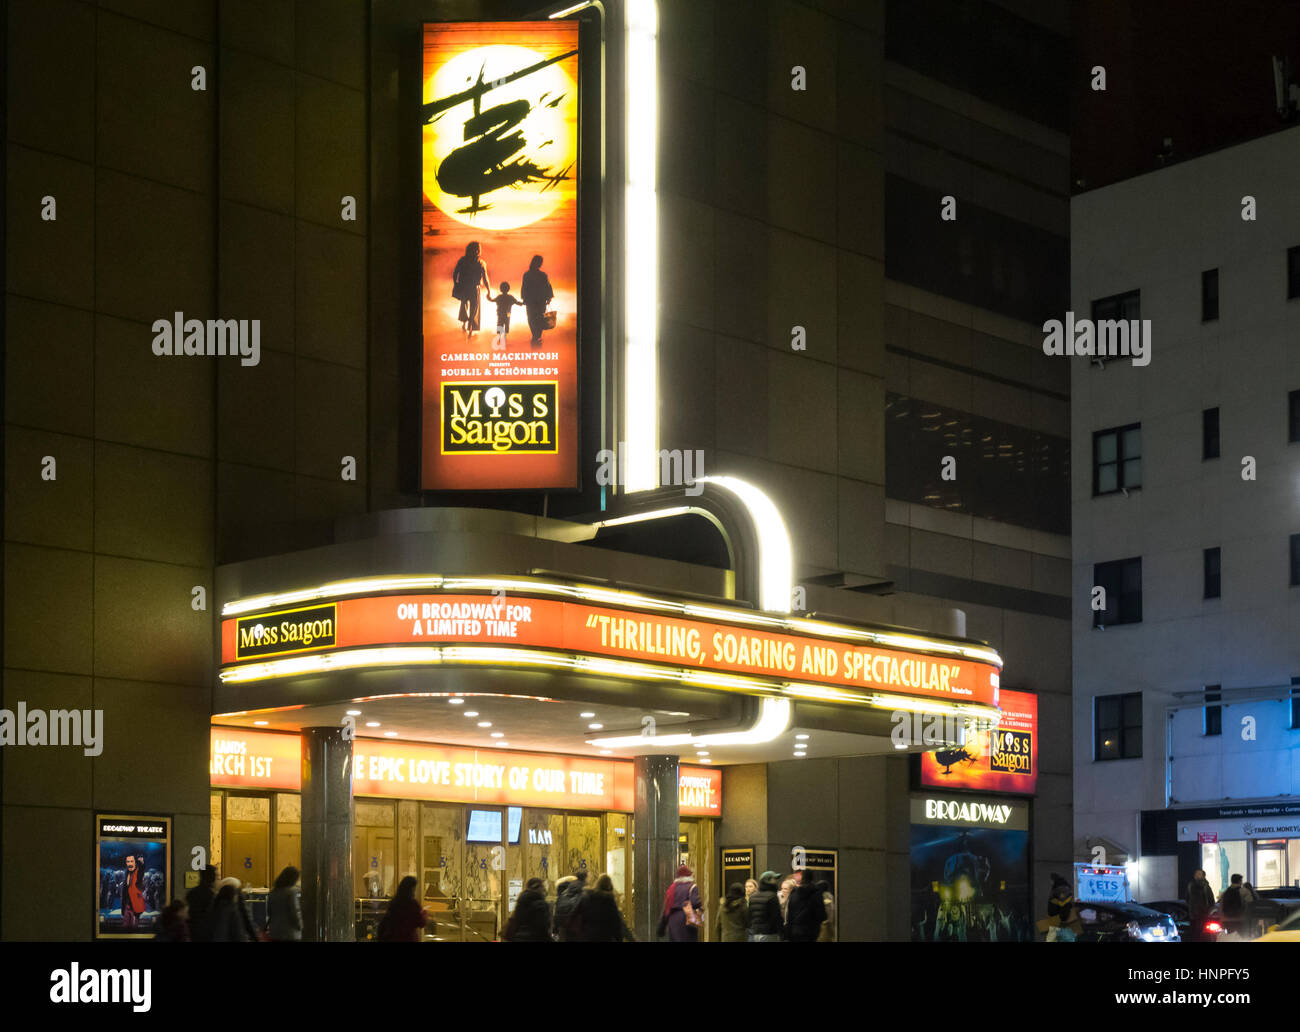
(1213, 928)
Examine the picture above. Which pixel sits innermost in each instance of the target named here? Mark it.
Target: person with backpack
(805, 912)
(597, 917)
(531, 919)
(405, 917)
(683, 915)
(733, 914)
(765, 921)
(568, 892)
(1233, 907)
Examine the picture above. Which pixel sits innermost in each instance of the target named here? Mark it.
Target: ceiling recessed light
(501, 743)
(456, 702)
(354, 713)
(261, 723)
(586, 716)
(390, 734)
(595, 727)
(498, 734)
(471, 713)
(801, 737)
(372, 723)
(705, 759)
(485, 723)
(606, 752)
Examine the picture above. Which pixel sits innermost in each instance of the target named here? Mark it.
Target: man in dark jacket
(199, 901)
(806, 911)
(765, 921)
(1233, 907)
(1200, 901)
(568, 893)
(531, 921)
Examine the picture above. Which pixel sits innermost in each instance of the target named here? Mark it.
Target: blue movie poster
(970, 885)
(132, 887)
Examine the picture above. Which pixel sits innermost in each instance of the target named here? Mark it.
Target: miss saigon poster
(500, 166)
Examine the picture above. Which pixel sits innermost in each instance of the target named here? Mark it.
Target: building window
(1122, 581)
(1117, 459)
(1211, 559)
(1213, 714)
(1293, 416)
(1295, 559)
(1295, 703)
(1118, 306)
(1293, 272)
(1209, 433)
(1117, 720)
(1209, 295)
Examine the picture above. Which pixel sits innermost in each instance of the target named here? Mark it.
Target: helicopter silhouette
(949, 758)
(484, 164)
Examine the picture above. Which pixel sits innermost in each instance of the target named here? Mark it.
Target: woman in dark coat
(470, 274)
(536, 293)
(405, 916)
(531, 920)
(765, 921)
(284, 908)
(597, 917)
(733, 914)
(680, 892)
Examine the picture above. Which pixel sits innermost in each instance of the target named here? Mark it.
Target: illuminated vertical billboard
(1004, 759)
(500, 256)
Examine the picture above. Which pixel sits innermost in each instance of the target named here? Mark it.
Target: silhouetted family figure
(535, 291)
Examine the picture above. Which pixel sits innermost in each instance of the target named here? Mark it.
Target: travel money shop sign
(500, 287)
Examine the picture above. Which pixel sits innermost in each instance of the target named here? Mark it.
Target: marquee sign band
(429, 619)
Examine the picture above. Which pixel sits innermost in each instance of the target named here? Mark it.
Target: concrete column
(654, 853)
(327, 897)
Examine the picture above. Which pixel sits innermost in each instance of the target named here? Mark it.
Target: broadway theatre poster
(500, 167)
(133, 859)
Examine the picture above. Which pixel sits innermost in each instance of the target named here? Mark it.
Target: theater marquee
(416, 770)
(453, 626)
(500, 173)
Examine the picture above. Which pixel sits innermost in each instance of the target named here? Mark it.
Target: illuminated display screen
(484, 826)
(1002, 760)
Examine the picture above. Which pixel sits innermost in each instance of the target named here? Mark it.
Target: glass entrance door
(483, 899)
(1270, 864)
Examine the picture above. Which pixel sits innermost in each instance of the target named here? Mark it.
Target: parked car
(1123, 922)
(1287, 931)
(1210, 930)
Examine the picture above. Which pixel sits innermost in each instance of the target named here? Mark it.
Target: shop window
(1213, 713)
(1209, 433)
(1209, 295)
(1210, 561)
(1117, 459)
(1117, 721)
(1122, 581)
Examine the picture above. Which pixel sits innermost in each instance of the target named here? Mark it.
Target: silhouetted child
(504, 302)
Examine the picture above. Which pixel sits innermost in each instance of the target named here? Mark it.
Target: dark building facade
(202, 157)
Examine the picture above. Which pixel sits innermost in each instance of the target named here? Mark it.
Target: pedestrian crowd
(771, 909)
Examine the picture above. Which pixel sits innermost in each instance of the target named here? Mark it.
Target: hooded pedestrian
(597, 917)
(683, 915)
(531, 919)
(733, 914)
(1060, 905)
(568, 891)
(284, 908)
(766, 923)
(227, 922)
